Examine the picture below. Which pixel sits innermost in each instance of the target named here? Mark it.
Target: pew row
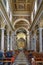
(38, 57)
(7, 57)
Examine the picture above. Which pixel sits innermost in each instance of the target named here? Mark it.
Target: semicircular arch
(21, 28)
(22, 20)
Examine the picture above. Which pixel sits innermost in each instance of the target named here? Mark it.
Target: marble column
(8, 41)
(14, 41)
(35, 42)
(32, 42)
(2, 40)
(11, 42)
(40, 38)
(28, 42)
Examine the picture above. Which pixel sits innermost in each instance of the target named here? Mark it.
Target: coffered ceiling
(21, 24)
(19, 8)
(22, 5)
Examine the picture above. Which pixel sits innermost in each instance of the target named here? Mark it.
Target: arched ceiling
(21, 9)
(22, 24)
(21, 29)
(22, 5)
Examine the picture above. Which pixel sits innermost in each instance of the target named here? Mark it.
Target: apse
(21, 39)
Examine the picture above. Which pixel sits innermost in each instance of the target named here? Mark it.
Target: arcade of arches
(21, 27)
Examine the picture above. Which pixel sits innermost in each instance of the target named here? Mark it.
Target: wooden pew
(27, 53)
(6, 60)
(38, 58)
(10, 59)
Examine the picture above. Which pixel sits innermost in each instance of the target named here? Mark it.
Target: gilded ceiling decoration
(21, 9)
(22, 5)
(18, 17)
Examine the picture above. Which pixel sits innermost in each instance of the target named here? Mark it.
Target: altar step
(21, 59)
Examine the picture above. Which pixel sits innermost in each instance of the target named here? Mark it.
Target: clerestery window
(35, 6)
(7, 6)
(38, 2)
(4, 2)
(32, 16)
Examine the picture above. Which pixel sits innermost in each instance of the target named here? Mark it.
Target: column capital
(40, 28)
(27, 33)
(7, 33)
(2, 28)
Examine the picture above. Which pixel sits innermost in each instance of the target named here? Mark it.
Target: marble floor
(21, 59)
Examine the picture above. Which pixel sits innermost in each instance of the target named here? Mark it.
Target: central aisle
(21, 59)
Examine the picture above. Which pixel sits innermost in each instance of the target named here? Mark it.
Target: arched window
(32, 16)
(35, 6)
(38, 2)
(4, 2)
